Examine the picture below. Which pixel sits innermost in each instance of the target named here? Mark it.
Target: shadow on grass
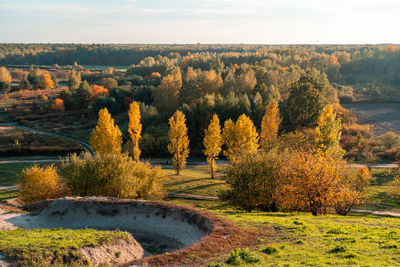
(189, 181)
(200, 187)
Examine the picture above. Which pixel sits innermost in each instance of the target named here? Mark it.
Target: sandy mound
(149, 222)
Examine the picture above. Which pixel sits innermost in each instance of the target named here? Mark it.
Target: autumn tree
(179, 141)
(58, 105)
(41, 183)
(270, 124)
(99, 90)
(74, 80)
(106, 137)
(5, 80)
(240, 137)
(166, 94)
(212, 143)
(47, 80)
(135, 128)
(328, 133)
(310, 182)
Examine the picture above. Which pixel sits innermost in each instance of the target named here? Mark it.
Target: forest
(202, 80)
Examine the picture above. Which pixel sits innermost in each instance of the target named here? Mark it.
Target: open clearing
(384, 116)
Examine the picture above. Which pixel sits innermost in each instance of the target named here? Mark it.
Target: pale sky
(200, 21)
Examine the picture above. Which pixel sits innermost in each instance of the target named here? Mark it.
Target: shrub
(112, 174)
(4, 87)
(270, 250)
(338, 249)
(253, 182)
(240, 256)
(353, 186)
(41, 183)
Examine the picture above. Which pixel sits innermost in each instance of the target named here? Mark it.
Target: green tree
(74, 80)
(212, 143)
(135, 128)
(166, 95)
(179, 141)
(304, 104)
(106, 137)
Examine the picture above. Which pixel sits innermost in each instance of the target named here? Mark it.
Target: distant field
(384, 116)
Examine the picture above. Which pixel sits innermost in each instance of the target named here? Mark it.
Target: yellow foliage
(240, 137)
(39, 183)
(135, 128)
(5, 75)
(47, 80)
(328, 133)
(310, 181)
(212, 143)
(270, 124)
(179, 141)
(106, 138)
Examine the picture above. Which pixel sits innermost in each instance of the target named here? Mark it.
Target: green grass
(328, 240)
(195, 181)
(7, 194)
(384, 193)
(36, 247)
(9, 171)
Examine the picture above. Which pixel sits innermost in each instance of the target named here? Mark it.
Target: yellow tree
(47, 80)
(179, 141)
(5, 75)
(106, 138)
(270, 124)
(135, 128)
(240, 137)
(212, 143)
(328, 133)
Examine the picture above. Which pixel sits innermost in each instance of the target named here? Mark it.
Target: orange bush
(58, 105)
(99, 90)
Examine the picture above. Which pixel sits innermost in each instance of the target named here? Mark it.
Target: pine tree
(135, 128)
(212, 143)
(270, 124)
(328, 133)
(179, 141)
(240, 137)
(106, 138)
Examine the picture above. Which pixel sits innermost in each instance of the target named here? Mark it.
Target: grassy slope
(33, 247)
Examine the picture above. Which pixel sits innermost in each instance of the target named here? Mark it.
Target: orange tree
(310, 181)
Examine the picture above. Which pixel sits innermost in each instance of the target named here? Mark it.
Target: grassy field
(9, 171)
(196, 181)
(35, 247)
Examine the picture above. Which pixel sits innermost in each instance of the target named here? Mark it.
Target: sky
(200, 21)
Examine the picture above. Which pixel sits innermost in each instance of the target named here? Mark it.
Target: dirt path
(378, 212)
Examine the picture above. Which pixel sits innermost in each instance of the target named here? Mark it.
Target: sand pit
(158, 226)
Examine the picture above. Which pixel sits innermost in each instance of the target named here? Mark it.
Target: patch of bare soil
(384, 116)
